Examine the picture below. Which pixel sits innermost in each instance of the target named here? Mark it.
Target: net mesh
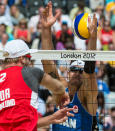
(105, 77)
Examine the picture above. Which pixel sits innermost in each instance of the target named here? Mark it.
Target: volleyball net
(89, 55)
(62, 59)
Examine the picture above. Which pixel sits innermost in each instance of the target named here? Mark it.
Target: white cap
(78, 63)
(17, 48)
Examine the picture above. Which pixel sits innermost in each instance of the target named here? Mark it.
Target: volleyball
(80, 26)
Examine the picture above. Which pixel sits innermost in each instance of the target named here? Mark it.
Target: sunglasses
(76, 69)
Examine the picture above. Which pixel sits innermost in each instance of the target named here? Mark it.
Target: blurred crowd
(20, 19)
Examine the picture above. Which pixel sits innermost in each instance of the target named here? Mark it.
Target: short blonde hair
(9, 60)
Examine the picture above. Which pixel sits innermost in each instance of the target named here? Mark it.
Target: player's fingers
(64, 119)
(95, 19)
(47, 10)
(89, 22)
(70, 114)
(66, 100)
(65, 110)
(57, 15)
(69, 109)
(61, 120)
(50, 8)
(61, 105)
(65, 103)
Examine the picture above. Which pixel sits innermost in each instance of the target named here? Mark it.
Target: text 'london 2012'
(78, 55)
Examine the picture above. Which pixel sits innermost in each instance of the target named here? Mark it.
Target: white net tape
(72, 55)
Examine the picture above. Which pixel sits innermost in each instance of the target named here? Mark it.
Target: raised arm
(92, 27)
(47, 20)
(89, 70)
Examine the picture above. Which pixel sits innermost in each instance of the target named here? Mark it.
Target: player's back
(16, 110)
(82, 120)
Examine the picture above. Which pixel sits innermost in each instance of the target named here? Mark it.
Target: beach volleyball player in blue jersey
(82, 86)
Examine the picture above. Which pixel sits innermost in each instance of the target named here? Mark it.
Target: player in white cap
(19, 91)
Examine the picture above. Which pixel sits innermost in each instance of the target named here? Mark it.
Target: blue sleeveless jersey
(82, 120)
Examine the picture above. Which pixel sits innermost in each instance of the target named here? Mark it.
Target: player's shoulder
(34, 71)
(31, 69)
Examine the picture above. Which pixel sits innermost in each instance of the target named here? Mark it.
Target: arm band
(89, 67)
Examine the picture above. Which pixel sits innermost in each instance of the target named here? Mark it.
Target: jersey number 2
(2, 77)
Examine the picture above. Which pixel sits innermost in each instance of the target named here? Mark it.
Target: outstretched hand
(62, 115)
(47, 17)
(92, 26)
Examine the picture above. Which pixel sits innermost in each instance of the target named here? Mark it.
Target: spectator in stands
(102, 85)
(64, 29)
(69, 45)
(4, 40)
(101, 110)
(22, 32)
(16, 15)
(109, 121)
(111, 48)
(80, 8)
(4, 29)
(99, 10)
(32, 24)
(36, 37)
(62, 35)
(95, 3)
(5, 17)
(5, 2)
(62, 18)
(106, 35)
(60, 45)
(12, 2)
